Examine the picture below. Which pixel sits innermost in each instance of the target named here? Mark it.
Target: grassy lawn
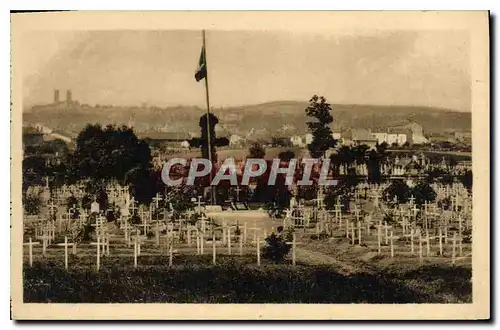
(193, 279)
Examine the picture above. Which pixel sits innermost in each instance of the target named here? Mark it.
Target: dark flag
(201, 72)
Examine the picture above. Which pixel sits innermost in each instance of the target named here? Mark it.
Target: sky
(401, 67)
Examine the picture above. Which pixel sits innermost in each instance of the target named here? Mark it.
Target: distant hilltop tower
(56, 96)
(69, 98)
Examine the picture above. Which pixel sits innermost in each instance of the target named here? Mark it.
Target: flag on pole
(201, 72)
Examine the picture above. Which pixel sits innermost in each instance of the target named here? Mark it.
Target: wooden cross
(427, 240)
(356, 212)
(138, 241)
(127, 228)
(255, 230)
(136, 249)
(238, 190)
(214, 250)
(157, 199)
(440, 239)
(170, 252)
(241, 244)
(189, 230)
(294, 249)
(157, 233)
(98, 246)
(359, 232)
(386, 227)
(132, 205)
(52, 229)
(201, 238)
(412, 200)
(65, 244)
(229, 238)
(45, 241)
(199, 202)
(454, 241)
(258, 241)
(30, 244)
(392, 238)
(51, 206)
(379, 234)
(145, 226)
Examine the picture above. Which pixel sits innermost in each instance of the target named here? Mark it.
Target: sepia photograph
(259, 165)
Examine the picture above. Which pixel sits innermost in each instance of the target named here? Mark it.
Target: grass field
(193, 279)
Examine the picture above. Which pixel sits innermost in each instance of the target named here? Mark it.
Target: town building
(236, 141)
(464, 137)
(165, 139)
(308, 138)
(297, 141)
(32, 136)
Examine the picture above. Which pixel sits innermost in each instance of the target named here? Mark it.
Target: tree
(398, 189)
(181, 197)
(340, 192)
(438, 175)
(374, 160)
(257, 151)
(142, 184)
(466, 179)
(345, 157)
(109, 153)
(202, 142)
(320, 113)
(423, 192)
(34, 170)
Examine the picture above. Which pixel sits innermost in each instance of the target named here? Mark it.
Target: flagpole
(208, 118)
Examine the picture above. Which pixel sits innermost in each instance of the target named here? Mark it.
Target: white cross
(65, 244)
(46, 238)
(294, 249)
(98, 245)
(356, 212)
(30, 244)
(238, 190)
(132, 205)
(157, 199)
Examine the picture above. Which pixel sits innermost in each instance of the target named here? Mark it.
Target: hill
(273, 118)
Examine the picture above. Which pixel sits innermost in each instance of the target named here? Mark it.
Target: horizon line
(219, 107)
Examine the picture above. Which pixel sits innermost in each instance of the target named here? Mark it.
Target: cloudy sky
(428, 68)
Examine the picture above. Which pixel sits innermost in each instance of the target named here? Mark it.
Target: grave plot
(341, 241)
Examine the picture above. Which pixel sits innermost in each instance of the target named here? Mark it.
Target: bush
(467, 236)
(70, 202)
(32, 205)
(323, 235)
(287, 234)
(445, 203)
(276, 249)
(135, 219)
(86, 202)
